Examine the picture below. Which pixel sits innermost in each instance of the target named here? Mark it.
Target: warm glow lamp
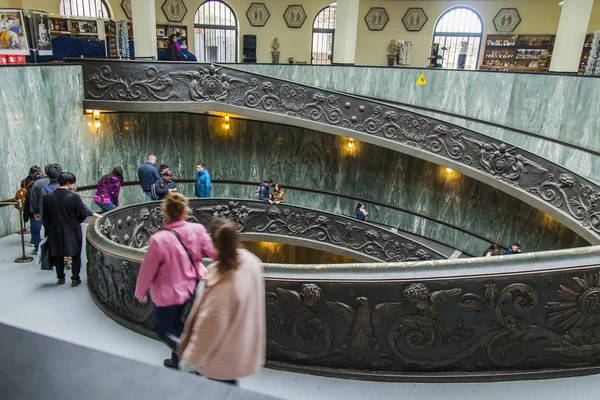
(351, 143)
(226, 118)
(96, 113)
(449, 170)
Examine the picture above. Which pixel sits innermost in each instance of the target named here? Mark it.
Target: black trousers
(59, 264)
(168, 325)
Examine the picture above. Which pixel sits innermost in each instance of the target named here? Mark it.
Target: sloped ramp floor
(30, 299)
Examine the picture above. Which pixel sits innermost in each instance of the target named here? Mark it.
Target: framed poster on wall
(41, 32)
(13, 34)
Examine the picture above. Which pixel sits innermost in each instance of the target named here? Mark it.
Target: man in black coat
(63, 213)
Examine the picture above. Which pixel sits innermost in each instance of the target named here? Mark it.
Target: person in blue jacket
(361, 213)
(148, 174)
(203, 182)
(263, 193)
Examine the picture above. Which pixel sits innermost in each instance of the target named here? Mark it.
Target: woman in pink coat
(224, 337)
(172, 268)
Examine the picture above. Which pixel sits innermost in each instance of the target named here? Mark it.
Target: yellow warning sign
(422, 80)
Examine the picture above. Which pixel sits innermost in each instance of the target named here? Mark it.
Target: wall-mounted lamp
(96, 114)
(351, 143)
(226, 118)
(449, 170)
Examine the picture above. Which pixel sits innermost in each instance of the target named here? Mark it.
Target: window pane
(460, 27)
(215, 32)
(322, 39)
(84, 8)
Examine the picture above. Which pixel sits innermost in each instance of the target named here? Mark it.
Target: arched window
(322, 36)
(215, 31)
(459, 27)
(85, 8)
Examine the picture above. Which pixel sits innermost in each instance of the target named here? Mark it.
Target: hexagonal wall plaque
(507, 20)
(126, 6)
(257, 14)
(414, 19)
(294, 16)
(174, 10)
(376, 18)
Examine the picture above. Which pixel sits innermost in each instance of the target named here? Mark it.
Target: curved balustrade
(521, 316)
(132, 226)
(137, 86)
(466, 241)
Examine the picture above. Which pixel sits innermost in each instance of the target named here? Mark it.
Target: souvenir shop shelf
(164, 31)
(518, 53)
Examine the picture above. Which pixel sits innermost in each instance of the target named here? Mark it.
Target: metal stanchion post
(24, 258)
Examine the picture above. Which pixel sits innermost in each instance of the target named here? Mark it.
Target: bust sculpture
(392, 48)
(275, 45)
(275, 52)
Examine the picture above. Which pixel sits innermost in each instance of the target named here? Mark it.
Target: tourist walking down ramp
(62, 215)
(224, 336)
(172, 268)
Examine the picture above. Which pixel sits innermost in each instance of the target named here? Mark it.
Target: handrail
(329, 193)
(483, 122)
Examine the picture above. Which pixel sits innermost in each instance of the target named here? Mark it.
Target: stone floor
(30, 299)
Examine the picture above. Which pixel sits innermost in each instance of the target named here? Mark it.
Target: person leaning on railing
(278, 195)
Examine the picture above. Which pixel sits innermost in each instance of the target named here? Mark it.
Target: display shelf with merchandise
(518, 53)
(585, 53)
(59, 26)
(164, 31)
(593, 61)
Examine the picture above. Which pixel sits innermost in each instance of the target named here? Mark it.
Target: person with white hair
(148, 175)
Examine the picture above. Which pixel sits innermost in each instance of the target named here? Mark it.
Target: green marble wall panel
(42, 121)
(278, 253)
(252, 151)
(556, 106)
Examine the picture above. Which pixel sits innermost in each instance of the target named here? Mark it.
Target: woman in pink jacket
(224, 337)
(172, 268)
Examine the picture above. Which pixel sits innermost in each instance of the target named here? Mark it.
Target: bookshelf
(163, 31)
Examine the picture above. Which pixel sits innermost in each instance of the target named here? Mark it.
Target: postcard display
(593, 62)
(123, 39)
(41, 32)
(13, 37)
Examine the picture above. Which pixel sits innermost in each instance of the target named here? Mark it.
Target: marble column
(574, 20)
(144, 28)
(346, 26)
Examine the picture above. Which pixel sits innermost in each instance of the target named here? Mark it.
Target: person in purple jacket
(108, 188)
